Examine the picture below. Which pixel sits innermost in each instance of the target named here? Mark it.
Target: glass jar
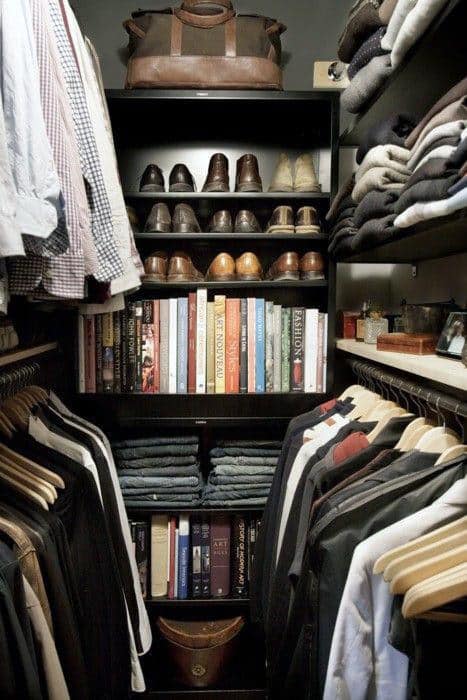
(374, 327)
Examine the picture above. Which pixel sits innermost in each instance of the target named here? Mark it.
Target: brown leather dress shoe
(312, 266)
(248, 178)
(181, 269)
(246, 222)
(281, 221)
(152, 180)
(159, 220)
(155, 267)
(184, 220)
(248, 268)
(218, 174)
(222, 268)
(181, 180)
(307, 221)
(286, 267)
(221, 222)
(132, 218)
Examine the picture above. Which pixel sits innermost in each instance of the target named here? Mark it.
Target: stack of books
(185, 556)
(192, 345)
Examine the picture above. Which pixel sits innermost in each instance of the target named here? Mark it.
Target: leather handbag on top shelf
(203, 44)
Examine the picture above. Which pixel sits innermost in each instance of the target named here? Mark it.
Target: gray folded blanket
(239, 471)
(244, 479)
(245, 461)
(375, 205)
(269, 444)
(161, 491)
(242, 503)
(156, 451)
(235, 495)
(243, 452)
(366, 83)
(157, 440)
(174, 499)
(135, 482)
(161, 471)
(154, 462)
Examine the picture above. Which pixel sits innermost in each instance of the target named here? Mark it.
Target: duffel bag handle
(196, 12)
(230, 37)
(205, 6)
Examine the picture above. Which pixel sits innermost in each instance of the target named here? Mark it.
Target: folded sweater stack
(163, 471)
(376, 38)
(241, 473)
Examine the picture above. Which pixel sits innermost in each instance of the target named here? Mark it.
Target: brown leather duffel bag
(203, 44)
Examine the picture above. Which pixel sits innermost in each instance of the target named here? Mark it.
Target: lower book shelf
(198, 602)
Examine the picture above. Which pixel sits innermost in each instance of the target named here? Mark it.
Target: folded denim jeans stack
(376, 38)
(160, 471)
(241, 473)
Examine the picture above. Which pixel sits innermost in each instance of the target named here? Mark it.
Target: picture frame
(453, 339)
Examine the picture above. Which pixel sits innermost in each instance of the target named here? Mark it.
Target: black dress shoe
(159, 220)
(152, 180)
(181, 180)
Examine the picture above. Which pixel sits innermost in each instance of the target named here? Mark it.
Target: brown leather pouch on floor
(200, 651)
(203, 44)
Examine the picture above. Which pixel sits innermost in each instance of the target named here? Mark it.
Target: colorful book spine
(243, 346)
(239, 556)
(183, 555)
(173, 314)
(311, 350)
(156, 335)
(117, 351)
(159, 552)
(232, 346)
(192, 343)
(176, 577)
(205, 559)
(182, 346)
(269, 347)
(201, 327)
(164, 345)
(210, 349)
(277, 348)
(142, 554)
(138, 346)
(131, 326)
(251, 546)
(319, 370)
(172, 534)
(196, 584)
(296, 349)
(260, 350)
(124, 350)
(285, 350)
(220, 556)
(251, 345)
(107, 353)
(325, 352)
(219, 331)
(147, 349)
(89, 354)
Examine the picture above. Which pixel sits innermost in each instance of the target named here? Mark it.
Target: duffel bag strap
(230, 37)
(187, 14)
(133, 29)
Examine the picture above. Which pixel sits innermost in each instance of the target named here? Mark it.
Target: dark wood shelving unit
(439, 56)
(151, 126)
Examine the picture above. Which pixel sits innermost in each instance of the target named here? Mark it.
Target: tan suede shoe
(281, 221)
(248, 268)
(222, 268)
(282, 180)
(305, 175)
(307, 221)
(181, 269)
(286, 267)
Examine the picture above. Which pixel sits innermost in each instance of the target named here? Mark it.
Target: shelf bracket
(414, 270)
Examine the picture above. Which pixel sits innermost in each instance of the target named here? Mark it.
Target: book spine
(173, 313)
(147, 348)
(269, 347)
(159, 549)
(319, 371)
(138, 346)
(107, 353)
(164, 345)
(177, 545)
(201, 313)
(260, 352)
(205, 559)
(141, 555)
(243, 346)
(99, 358)
(172, 529)
(285, 350)
(296, 349)
(89, 354)
(220, 556)
(251, 345)
(219, 326)
(196, 558)
(183, 555)
(182, 346)
(232, 346)
(131, 335)
(325, 353)
(277, 348)
(251, 546)
(210, 349)
(311, 350)
(117, 323)
(124, 350)
(156, 336)
(192, 343)
(239, 557)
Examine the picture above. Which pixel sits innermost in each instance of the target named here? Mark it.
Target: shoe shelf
(274, 196)
(235, 284)
(437, 238)
(207, 694)
(433, 65)
(271, 237)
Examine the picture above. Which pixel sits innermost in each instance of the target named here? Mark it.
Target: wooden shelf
(439, 54)
(199, 602)
(206, 694)
(199, 196)
(436, 238)
(266, 284)
(445, 371)
(20, 354)
(271, 237)
(147, 511)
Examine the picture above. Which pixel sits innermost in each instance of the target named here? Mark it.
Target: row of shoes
(184, 220)
(301, 178)
(179, 267)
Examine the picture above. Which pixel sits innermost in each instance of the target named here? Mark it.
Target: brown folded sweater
(455, 93)
(361, 23)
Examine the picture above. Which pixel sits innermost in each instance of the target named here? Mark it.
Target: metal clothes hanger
(439, 439)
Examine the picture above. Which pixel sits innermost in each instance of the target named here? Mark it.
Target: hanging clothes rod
(435, 399)
(13, 380)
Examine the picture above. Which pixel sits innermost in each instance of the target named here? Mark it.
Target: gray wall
(313, 30)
